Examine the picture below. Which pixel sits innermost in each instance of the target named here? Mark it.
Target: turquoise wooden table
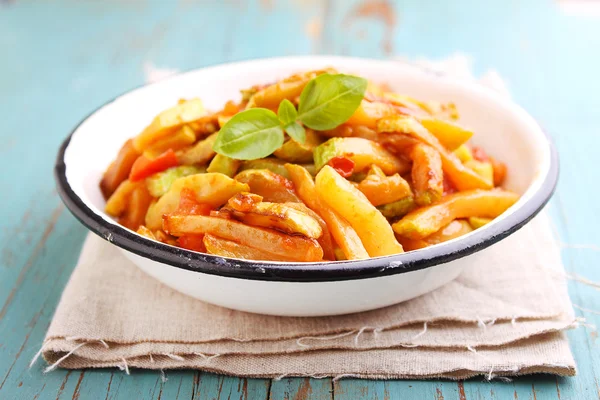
(61, 59)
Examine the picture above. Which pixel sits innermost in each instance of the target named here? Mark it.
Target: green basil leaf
(249, 135)
(330, 100)
(296, 132)
(287, 112)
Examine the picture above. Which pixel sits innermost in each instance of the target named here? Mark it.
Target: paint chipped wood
(47, 231)
(40, 242)
(461, 390)
(382, 11)
(438, 394)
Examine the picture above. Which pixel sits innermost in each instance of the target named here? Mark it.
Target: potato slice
(368, 113)
(325, 240)
(446, 111)
(464, 154)
(398, 208)
(244, 202)
(129, 204)
(423, 108)
(271, 186)
(399, 144)
(297, 247)
(118, 170)
(346, 130)
(272, 164)
(371, 226)
(142, 230)
(376, 88)
(117, 203)
(228, 248)
(362, 152)
(454, 229)
(224, 165)
(277, 216)
(462, 178)
(223, 119)
(425, 221)
(163, 237)
(478, 222)
(200, 153)
(484, 169)
(344, 235)
(412, 244)
(205, 126)
(139, 201)
(339, 254)
(288, 88)
(406, 102)
(427, 174)
(450, 134)
(302, 153)
(180, 139)
(168, 121)
(213, 189)
(381, 189)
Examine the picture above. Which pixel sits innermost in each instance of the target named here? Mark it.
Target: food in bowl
(317, 166)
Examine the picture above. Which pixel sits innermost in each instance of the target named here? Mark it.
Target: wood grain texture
(301, 388)
(61, 59)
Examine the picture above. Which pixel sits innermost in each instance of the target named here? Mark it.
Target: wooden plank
(278, 28)
(107, 56)
(395, 389)
(540, 76)
(140, 384)
(301, 388)
(36, 228)
(178, 385)
(211, 386)
(89, 384)
(28, 291)
(363, 28)
(28, 314)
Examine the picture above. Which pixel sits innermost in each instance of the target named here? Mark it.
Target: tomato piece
(405, 111)
(119, 169)
(500, 171)
(230, 108)
(143, 167)
(342, 165)
(161, 236)
(499, 167)
(373, 98)
(188, 205)
(449, 188)
(479, 154)
(192, 242)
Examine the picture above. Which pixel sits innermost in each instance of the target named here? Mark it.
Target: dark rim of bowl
(302, 272)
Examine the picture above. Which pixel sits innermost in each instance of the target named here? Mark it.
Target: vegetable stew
(317, 166)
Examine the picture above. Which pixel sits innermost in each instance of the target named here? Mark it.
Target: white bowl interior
(503, 129)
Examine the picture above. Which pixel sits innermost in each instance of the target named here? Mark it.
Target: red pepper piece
(342, 165)
(143, 167)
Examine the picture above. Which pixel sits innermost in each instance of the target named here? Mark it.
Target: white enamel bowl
(306, 289)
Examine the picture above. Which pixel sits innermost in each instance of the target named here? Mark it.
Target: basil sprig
(326, 102)
(288, 115)
(250, 134)
(330, 100)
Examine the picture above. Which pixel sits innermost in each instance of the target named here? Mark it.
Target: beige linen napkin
(503, 316)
